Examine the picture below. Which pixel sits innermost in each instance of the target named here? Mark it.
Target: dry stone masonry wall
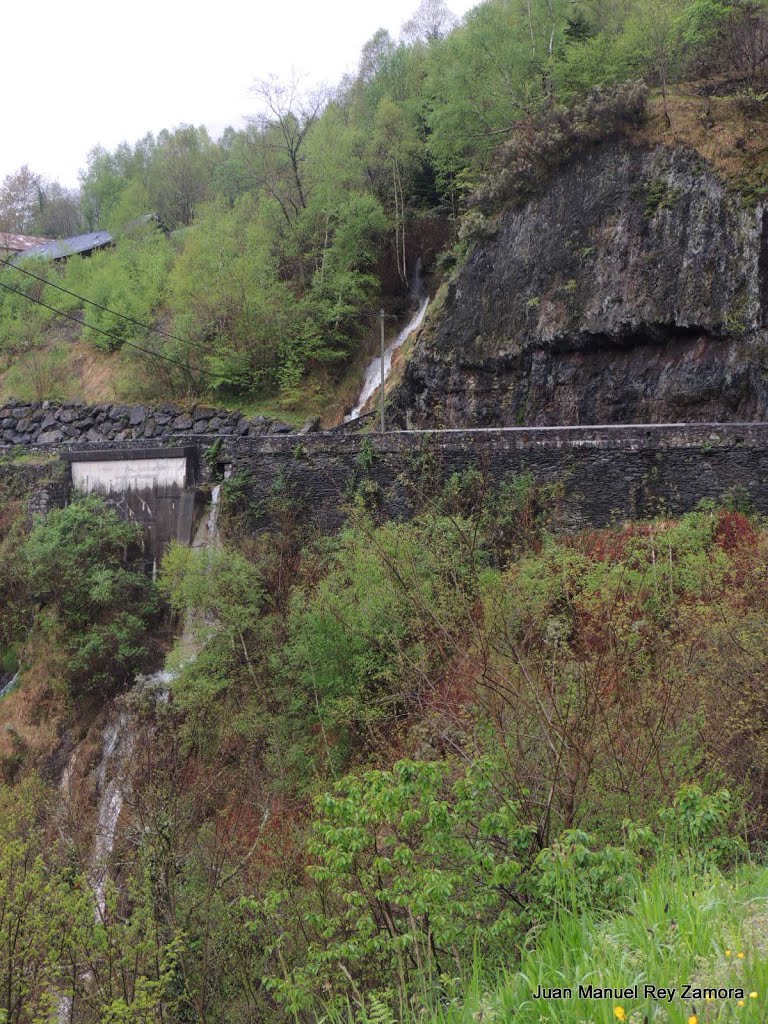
(49, 423)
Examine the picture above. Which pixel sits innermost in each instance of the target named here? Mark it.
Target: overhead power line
(106, 309)
(92, 327)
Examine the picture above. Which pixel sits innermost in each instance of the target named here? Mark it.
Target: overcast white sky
(84, 72)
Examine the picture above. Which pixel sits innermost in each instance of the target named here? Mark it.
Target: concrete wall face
(164, 515)
(152, 487)
(120, 476)
(155, 490)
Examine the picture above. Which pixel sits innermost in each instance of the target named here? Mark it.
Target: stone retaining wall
(605, 473)
(43, 483)
(45, 423)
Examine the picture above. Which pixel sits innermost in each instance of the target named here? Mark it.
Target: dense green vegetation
(286, 235)
(413, 772)
(80, 573)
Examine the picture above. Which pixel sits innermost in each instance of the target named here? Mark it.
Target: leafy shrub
(94, 595)
(363, 643)
(128, 280)
(560, 134)
(700, 824)
(576, 872)
(416, 870)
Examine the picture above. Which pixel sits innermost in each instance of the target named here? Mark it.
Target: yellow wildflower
(727, 952)
(693, 1019)
(740, 956)
(740, 1002)
(753, 995)
(619, 1013)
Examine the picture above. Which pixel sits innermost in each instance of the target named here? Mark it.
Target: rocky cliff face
(635, 289)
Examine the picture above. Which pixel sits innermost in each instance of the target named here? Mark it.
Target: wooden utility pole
(381, 388)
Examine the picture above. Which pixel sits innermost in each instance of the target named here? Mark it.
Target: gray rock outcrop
(633, 289)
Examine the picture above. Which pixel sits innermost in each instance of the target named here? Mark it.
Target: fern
(378, 1012)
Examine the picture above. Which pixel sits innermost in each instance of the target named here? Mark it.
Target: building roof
(60, 248)
(19, 243)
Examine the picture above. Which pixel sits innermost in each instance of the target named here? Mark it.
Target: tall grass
(686, 924)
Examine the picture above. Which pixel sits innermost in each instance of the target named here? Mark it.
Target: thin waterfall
(208, 532)
(118, 742)
(9, 685)
(112, 784)
(372, 376)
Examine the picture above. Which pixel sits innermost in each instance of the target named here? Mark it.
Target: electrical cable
(106, 309)
(92, 327)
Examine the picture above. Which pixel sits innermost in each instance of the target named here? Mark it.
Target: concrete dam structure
(153, 487)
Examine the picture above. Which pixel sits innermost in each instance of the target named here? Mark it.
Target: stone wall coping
(573, 437)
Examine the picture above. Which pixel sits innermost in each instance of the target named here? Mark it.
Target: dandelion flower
(693, 1019)
(753, 995)
(740, 1002)
(740, 956)
(619, 1013)
(727, 952)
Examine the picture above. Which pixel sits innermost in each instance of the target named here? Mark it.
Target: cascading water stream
(118, 741)
(9, 686)
(115, 749)
(117, 745)
(372, 377)
(208, 533)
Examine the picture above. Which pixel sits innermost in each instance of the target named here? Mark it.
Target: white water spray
(116, 747)
(9, 686)
(380, 365)
(372, 378)
(208, 533)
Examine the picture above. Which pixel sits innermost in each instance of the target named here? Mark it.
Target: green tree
(98, 603)
(226, 292)
(487, 76)
(110, 178)
(180, 174)
(396, 147)
(653, 41)
(20, 198)
(128, 280)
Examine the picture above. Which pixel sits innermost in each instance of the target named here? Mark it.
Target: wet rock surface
(634, 289)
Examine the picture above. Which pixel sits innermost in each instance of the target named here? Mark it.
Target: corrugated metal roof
(19, 243)
(60, 248)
